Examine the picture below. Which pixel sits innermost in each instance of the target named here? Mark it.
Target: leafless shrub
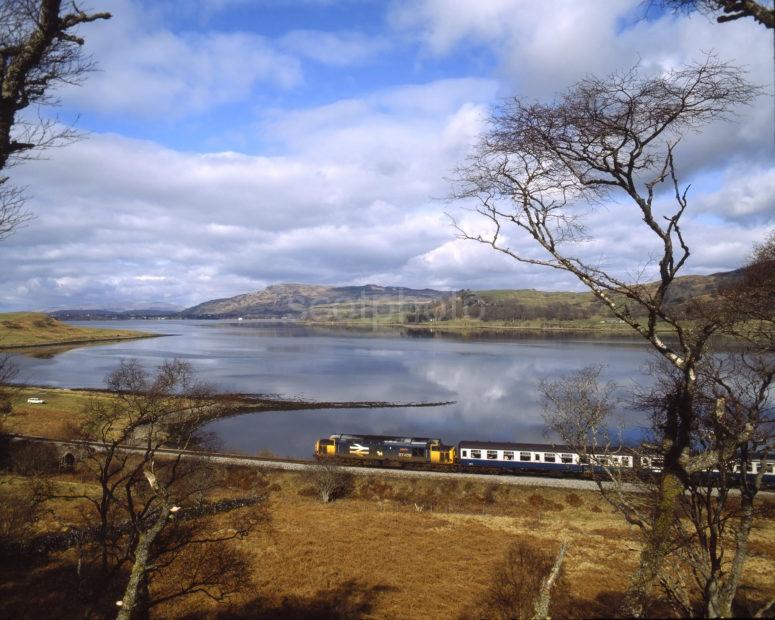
(8, 372)
(31, 459)
(22, 505)
(330, 481)
(573, 500)
(517, 583)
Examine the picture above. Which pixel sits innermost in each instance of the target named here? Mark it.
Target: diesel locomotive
(484, 456)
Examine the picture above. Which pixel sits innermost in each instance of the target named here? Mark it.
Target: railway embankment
(397, 544)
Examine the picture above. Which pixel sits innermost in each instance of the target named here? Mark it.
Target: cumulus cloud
(340, 49)
(543, 48)
(346, 201)
(350, 191)
(148, 71)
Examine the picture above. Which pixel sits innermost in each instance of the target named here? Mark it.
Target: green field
(35, 329)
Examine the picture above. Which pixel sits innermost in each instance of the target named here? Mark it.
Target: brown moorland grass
(34, 329)
(395, 548)
(57, 418)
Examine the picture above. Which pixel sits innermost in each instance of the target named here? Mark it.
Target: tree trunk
(727, 591)
(657, 546)
(134, 605)
(541, 606)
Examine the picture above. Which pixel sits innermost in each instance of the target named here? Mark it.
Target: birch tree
(536, 169)
(40, 50)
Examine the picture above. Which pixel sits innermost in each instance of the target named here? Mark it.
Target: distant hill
(88, 314)
(392, 304)
(318, 302)
(531, 305)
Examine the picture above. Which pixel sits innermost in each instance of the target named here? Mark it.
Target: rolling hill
(317, 302)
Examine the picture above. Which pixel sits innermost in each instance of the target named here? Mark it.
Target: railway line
(286, 464)
(73, 446)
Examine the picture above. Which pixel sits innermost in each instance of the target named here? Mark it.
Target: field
(34, 329)
(394, 548)
(62, 411)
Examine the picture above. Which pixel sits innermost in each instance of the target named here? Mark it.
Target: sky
(228, 145)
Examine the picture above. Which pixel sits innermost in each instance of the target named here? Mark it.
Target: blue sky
(232, 144)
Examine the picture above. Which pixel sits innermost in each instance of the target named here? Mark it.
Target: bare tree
(539, 164)
(148, 487)
(330, 481)
(710, 531)
(724, 10)
(522, 584)
(8, 372)
(39, 51)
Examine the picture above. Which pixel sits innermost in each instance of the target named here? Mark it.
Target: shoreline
(80, 341)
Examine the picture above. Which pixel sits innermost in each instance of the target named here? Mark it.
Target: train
(501, 457)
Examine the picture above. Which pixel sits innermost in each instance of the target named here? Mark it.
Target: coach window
(464, 453)
(476, 454)
(492, 454)
(567, 458)
(508, 455)
(749, 468)
(770, 468)
(549, 457)
(524, 456)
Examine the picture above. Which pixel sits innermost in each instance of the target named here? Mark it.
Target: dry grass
(406, 548)
(56, 418)
(34, 329)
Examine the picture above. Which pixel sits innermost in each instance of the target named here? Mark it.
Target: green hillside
(31, 329)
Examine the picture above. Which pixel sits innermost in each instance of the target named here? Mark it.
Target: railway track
(301, 464)
(270, 463)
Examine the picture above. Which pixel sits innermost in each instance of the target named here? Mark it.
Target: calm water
(493, 380)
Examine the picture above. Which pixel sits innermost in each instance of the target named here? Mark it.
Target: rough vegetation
(372, 553)
(34, 329)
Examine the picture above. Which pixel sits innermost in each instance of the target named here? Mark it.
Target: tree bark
(134, 605)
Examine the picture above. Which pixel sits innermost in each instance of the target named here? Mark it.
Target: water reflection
(492, 379)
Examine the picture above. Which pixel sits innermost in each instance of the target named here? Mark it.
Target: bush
(30, 459)
(329, 481)
(516, 584)
(573, 500)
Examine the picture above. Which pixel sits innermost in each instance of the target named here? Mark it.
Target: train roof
(528, 447)
(387, 439)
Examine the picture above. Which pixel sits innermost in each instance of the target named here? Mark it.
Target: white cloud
(350, 193)
(339, 49)
(149, 71)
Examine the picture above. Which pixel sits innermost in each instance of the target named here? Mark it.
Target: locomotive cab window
(549, 457)
(476, 454)
(492, 454)
(524, 456)
(508, 455)
(567, 458)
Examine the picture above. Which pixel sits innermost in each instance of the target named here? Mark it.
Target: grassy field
(34, 329)
(395, 548)
(56, 418)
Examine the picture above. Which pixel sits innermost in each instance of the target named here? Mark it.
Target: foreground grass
(34, 329)
(393, 548)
